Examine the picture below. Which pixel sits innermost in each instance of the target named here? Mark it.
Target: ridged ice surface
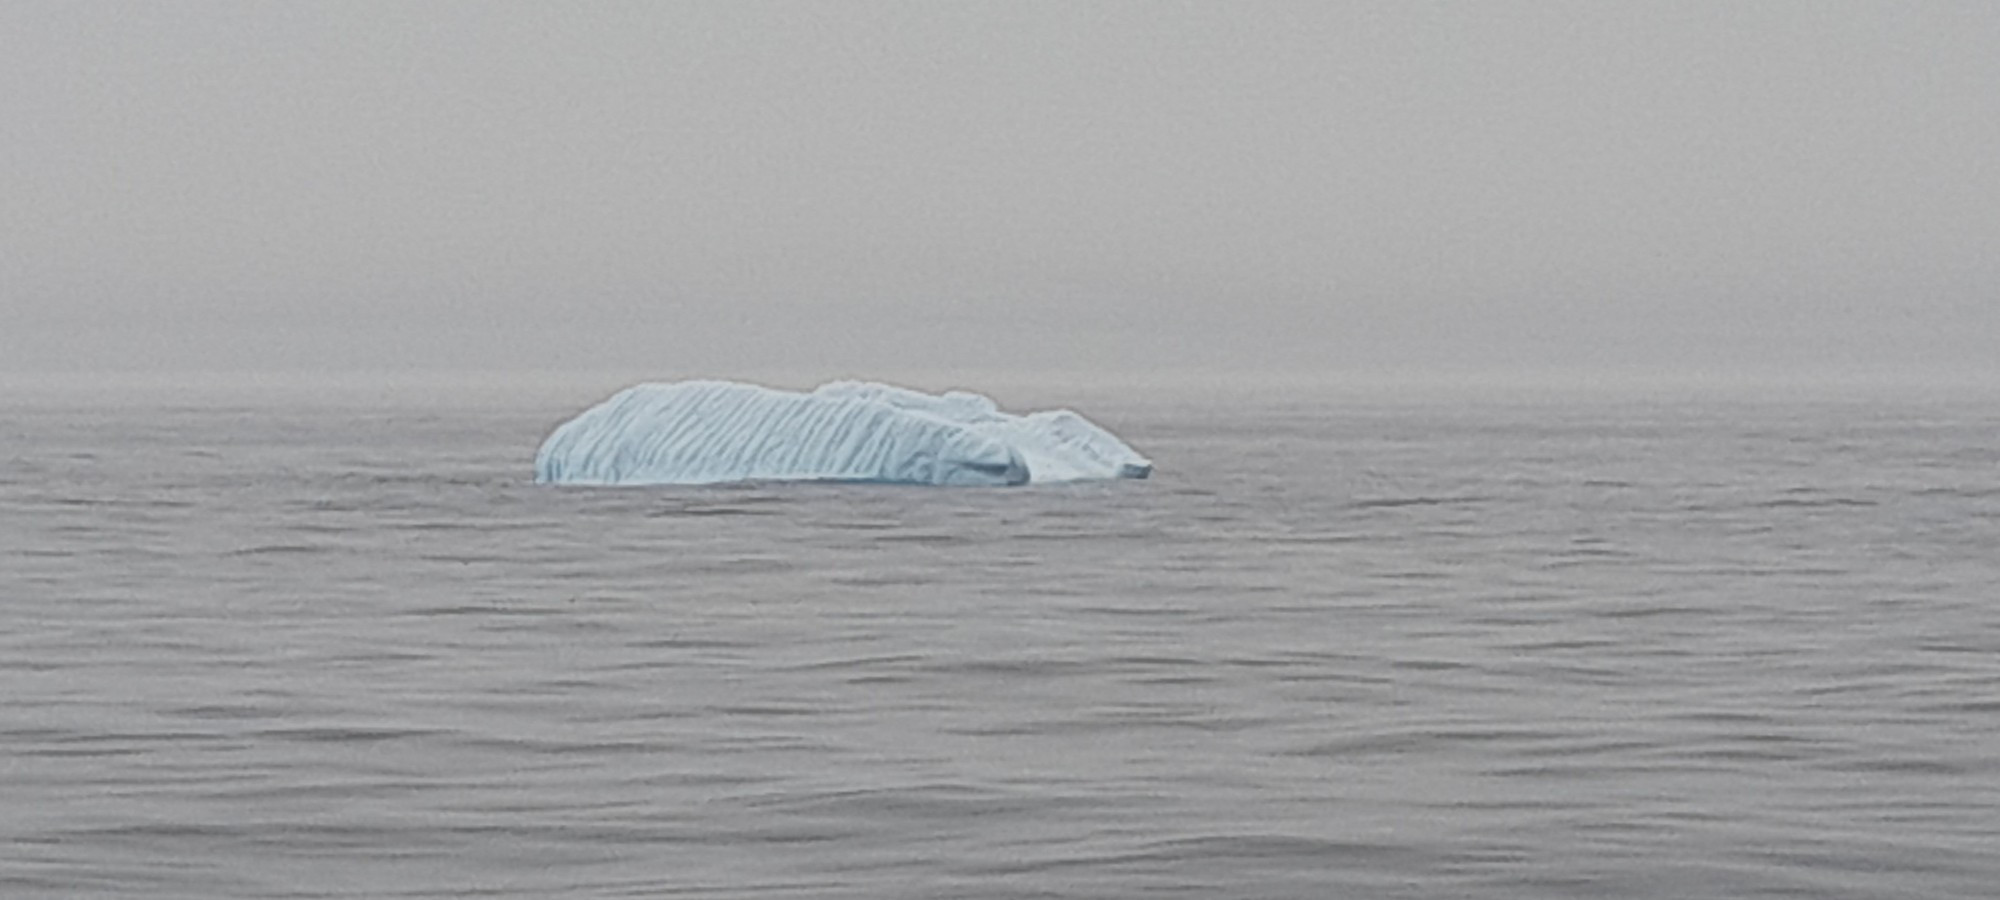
(705, 432)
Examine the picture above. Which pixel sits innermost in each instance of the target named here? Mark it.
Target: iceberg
(706, 432)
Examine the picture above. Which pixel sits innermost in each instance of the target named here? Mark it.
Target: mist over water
(1342, 644)
(1295, 187)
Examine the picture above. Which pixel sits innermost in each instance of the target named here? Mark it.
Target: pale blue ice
(704, 432)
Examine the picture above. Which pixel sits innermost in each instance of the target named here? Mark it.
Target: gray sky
(861, 188)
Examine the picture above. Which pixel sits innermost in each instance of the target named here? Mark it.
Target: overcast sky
(853, 188)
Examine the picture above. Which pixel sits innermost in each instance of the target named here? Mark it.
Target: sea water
(1342, 644)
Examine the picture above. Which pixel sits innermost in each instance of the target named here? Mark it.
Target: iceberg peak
(705, 432)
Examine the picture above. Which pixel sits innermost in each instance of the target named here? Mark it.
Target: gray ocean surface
(1342, 645)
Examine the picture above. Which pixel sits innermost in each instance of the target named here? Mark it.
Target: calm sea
(1342, 645)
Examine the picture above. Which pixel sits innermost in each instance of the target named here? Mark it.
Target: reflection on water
(1335, 648)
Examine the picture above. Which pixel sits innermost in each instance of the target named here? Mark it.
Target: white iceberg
(704, 432)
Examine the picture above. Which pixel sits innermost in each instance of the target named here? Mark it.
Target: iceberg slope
(703, 432)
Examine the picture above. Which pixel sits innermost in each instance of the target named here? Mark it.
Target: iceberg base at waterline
(707, 432)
